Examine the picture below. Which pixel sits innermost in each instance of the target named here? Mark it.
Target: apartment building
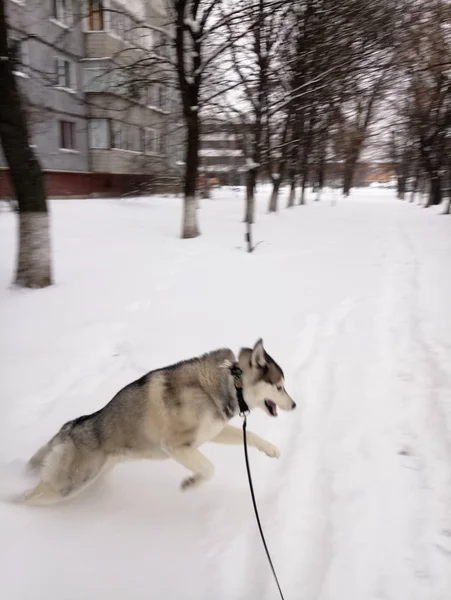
(98, 93)
(221, 153)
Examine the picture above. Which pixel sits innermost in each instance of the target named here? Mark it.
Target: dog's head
(263, 381)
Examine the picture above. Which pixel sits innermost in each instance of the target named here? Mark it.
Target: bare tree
(355, 123)
(423, 109)
(199, 42)
(254, 55)
(34, 256)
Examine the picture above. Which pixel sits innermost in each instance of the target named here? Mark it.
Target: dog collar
(237, 375)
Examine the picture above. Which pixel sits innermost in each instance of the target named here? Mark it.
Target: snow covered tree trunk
(34, 258)
(251, 180)
(34, 255)
(190, 228)
(187, 42)
(273, 201)
(447, 210)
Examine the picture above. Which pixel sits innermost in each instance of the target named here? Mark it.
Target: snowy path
(352, 300)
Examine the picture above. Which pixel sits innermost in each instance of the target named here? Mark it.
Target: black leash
(244, 411)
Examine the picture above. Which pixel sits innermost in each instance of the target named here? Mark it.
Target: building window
(65, 74)
(98, 76)
(161, 97)
(146, 38)
(18, 53)
(134, 90)
(130, 29)
(67, 135)
(126, 137)
(99, 133)
(149, 100)
(161, 144)
(96, 12)
(117, 20)
(62, 12)
(123, 25)
(152, 141)
(142, 36)
(156, 96)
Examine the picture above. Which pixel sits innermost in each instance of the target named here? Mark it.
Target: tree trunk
(251, 177)
(447, 210)
(250, 196)
(414, 188)
(190, 228)
(321, 178)
(292, 194)
(273, 204)
(348, 177)
(401, 187)
(34, 256)
(423, 188)
(303, 186)
(435, 191)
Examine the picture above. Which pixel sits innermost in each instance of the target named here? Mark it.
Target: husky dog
(167, 413)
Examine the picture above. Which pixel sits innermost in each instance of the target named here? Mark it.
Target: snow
(218, 136)
(250, 164)
(218, 152)
(351, 299)
(193, 24)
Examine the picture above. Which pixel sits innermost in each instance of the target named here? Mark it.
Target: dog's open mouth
(272, 408)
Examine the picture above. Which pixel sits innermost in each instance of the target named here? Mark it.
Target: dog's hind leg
(195, 461)
(233, 435)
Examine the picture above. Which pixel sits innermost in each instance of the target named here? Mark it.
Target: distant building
(221, 153)
(100, 124)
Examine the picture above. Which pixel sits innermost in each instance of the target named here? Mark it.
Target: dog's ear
(258, 358)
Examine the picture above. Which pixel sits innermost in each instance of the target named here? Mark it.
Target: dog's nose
(293, 406)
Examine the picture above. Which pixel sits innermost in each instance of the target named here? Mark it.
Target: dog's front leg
(195, 461)
(233, 435)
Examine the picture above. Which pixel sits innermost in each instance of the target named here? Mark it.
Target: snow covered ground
(354, 301)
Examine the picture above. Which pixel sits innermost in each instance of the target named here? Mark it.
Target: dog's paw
(270, 450)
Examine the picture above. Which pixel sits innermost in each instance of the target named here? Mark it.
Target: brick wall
(85, 185)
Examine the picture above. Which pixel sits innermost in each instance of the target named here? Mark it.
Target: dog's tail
(37, 460)
(39, 457)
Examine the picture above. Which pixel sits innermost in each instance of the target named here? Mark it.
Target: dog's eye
(279, 388)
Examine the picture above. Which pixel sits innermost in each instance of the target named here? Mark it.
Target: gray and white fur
(167, 413)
